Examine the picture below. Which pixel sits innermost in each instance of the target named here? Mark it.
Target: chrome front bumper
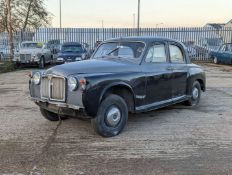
(57, 104)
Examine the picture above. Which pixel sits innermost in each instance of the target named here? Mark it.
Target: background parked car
(206, 45)
(223, 55)
(71, 52)
(190, 49)
(54, 45)
(31, 52)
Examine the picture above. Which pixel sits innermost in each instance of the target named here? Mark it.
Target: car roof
(31, 42)
(145, 39)
(71, 43)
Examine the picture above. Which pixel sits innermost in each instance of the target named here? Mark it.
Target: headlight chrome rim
(72, 83)
(36, 78)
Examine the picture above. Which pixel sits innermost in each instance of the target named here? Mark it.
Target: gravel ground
(173, 140)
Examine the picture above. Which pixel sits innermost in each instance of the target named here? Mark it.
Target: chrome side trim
(160, 104)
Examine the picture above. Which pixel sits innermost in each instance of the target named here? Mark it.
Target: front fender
(92, 97)
(123, 84)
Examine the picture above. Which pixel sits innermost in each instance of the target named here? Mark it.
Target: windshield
(127, 50)
(72, 48)
(32, 45)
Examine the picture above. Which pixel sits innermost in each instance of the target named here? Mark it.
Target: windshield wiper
(114, 50)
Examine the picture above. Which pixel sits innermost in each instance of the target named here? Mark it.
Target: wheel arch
(123, 90)
(201, 81)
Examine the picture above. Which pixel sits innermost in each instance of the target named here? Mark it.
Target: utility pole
(60, 32)
(60, 15)
(102, 23)
(138, 27)
(133, 20)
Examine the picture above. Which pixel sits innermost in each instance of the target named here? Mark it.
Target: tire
(51, 116)
(195, 94)
(215, 60)
(112, 116)
(42, 63)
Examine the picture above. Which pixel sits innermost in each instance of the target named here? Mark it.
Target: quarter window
(223, 48)
(176, 54)
(156, 54)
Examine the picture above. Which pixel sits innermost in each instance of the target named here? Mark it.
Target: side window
(223, 48)
(176, 54)
(126, 52)
(156, 54)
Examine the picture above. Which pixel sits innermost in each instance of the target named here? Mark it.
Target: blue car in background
(71, 52)
(223, 55)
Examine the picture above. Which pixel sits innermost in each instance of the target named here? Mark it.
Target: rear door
(158, 73)
(179, 70)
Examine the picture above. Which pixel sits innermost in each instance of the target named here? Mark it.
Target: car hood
(69, 55)
(93, 66)
(30, 51)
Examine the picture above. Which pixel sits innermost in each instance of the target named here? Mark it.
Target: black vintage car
(124, 75)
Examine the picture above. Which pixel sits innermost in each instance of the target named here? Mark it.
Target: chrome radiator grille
(53, 88)
(25, 57)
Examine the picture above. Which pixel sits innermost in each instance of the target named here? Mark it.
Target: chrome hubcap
(113, 116)
(195, 93)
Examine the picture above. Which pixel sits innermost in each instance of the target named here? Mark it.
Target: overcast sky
(119, 13)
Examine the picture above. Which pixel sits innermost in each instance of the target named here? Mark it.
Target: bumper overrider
(57, 94)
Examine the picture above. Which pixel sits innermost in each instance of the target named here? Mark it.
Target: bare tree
(18, 15)
(10, 30)
(24, 14)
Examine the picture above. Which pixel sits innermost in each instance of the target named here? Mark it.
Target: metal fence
(199, 41)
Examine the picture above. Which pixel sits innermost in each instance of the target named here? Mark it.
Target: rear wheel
(195, 94)
(111, 117)
(51, 116)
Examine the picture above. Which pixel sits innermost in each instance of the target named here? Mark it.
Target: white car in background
(33, 53)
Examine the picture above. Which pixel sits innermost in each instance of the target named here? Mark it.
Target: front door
(158, 73)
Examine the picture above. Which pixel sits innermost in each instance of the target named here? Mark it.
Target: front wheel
(195, 94)
(111, 117)
(51, 116)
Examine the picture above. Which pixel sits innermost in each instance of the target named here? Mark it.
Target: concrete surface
(174, 140)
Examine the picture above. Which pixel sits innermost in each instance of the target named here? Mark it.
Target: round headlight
(60, 59)
(78, 59)
(36, 78)
(72, 83)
